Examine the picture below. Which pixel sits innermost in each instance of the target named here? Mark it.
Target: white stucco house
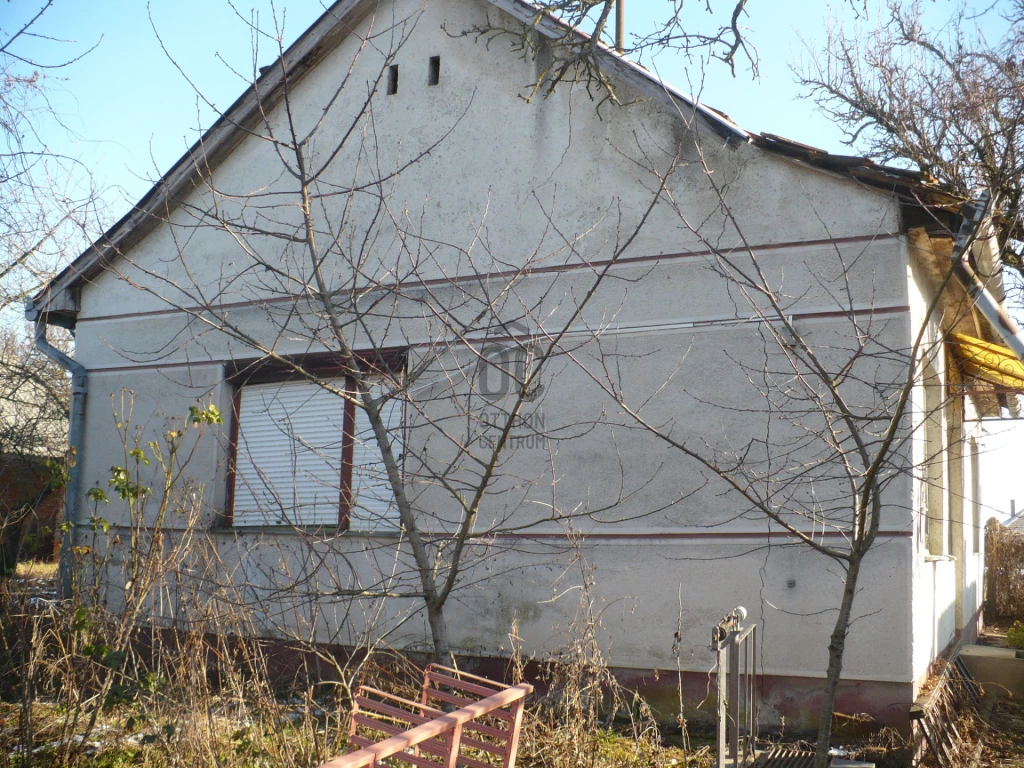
(453, 215)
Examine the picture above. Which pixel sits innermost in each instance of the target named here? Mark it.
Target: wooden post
(454, 744)
(426, 684)
(512, 747)
(352, 714)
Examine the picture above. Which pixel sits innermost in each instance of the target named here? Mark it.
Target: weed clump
(1015, 635)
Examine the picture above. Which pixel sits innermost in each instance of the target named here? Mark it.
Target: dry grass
(68, 697)
(184, 700)
(88, 686)
(150, 662)
(1004, 742)
(1004, 563)
(36, 570)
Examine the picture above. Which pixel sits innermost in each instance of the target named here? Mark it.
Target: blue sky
(130, 113)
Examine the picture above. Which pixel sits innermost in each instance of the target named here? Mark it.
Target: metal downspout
(76, 429)
(986, 303)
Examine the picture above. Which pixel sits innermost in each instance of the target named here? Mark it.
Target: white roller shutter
(374, 507)
(288, 463)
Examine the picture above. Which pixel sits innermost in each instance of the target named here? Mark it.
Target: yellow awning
(993, 363)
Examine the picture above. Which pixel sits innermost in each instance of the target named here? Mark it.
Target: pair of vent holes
(433, 75)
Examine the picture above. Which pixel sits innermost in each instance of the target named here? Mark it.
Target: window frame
(937, 519)
(239, 374)
(975, 495)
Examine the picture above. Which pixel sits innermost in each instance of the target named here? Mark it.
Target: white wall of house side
(715, 365)
(642, 294)
(933, 572)
(644, 588)
(484, 199)
(639, 563)
(947, 567)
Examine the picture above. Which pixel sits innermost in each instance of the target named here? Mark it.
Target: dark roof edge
(914, 187)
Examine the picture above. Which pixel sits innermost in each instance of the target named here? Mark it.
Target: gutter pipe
(76, 429)
(986, 303)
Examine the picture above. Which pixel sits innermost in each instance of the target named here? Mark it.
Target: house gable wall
(505, 179)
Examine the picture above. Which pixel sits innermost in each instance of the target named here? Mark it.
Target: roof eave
(912, 187)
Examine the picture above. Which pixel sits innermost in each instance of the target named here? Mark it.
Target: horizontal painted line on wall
(798, 316)
(669, 326)
(712, 323)
(164, 366)
(625, 535)
(809, 674)
(760, 535)
(507, 274)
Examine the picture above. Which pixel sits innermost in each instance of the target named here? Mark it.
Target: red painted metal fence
(480, 730)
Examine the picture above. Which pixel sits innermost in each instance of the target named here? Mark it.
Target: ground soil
(1003, 740)
(994, 633)
(1004, 743)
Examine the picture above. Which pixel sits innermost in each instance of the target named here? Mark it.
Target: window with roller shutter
(303, 456)
(373, 505)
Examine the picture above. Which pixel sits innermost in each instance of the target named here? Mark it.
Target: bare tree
(47, 196)
(576, 34)
(423, 357)
(828, 419)
(947, 100)
(46, 204)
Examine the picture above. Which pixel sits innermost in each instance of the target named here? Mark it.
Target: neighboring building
(33, 439)
(29, 509)
(480, 187)
(1015, 521)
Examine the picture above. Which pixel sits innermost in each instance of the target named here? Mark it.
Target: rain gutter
(986, 303)
(76, 432)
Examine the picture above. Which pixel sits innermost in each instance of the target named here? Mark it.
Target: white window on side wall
(303, 455)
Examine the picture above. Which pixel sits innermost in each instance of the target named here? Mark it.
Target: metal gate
(735, 649)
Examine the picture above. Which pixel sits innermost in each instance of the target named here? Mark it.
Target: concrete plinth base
(999, 670)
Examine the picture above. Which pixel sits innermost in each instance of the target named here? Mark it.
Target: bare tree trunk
(10, 542)
(439, 633)
(836, 648)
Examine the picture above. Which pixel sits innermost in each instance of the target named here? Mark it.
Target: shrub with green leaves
(1015, 635)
